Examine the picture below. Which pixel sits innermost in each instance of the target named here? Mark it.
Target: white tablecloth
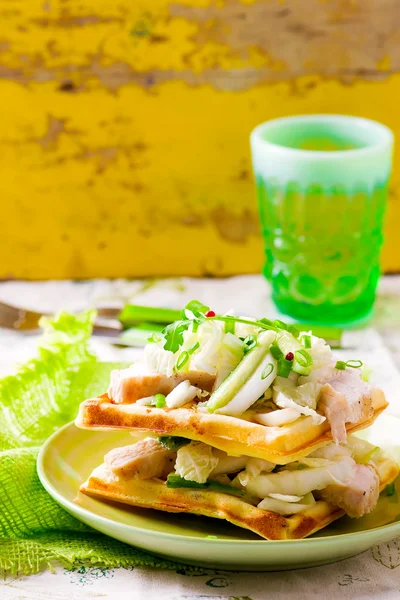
(373, 575)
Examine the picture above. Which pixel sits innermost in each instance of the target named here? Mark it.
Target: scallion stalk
(276, 351)
(173, 442)
(132, 314)
(306, 341)
(390, 489)
(229, 327)
(176, 481)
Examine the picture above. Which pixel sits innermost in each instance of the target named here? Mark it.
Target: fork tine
(12, 317)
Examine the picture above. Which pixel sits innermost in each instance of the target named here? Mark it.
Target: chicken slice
(345, 398)
(143, 460)
(127, 386)
(360, 493)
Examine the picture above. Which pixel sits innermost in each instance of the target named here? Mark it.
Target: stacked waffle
(245, 420)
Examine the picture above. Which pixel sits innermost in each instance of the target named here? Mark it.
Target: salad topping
(260, 370)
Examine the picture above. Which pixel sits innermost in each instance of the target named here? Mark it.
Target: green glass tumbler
(322, 183)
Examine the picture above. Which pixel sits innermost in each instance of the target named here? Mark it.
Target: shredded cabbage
(209, 336)
(304, 395)
(283, 401)
(320, 375)
(183, 393)
(277, 418)
(228, 464)
(287, 508)
(243, 329)
(253, 468)
(195, 462)
(145, 401)
(158, 360)
(264, 402)
(320, 352)
(314, 462)
(331, 452)
(286, 497)
(361, 450)
(231, 353)
(287, 381)
(299, 483)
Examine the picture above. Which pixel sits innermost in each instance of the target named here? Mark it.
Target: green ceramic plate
(69, 456)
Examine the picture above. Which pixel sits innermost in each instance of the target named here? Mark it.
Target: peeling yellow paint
(384, 64)
(124, 138)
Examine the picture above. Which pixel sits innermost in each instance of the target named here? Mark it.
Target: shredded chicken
(345, 398)
(144, 460)
(360, 493)
(127, 386)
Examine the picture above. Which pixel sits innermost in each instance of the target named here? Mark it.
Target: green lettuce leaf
(40, 397)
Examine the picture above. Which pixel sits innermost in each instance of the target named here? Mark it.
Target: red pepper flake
(289, 356)
(210, 313)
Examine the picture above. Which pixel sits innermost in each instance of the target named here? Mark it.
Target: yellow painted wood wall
(124, 124)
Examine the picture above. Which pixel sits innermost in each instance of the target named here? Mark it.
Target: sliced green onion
(341, 365)
(230, 326)
(390, 489)
(195, 326)
(293, 330)
(284, 367)
(173, 442)
(249, 343)
(276, 351)
(354, 364)
(306, 341)
(160, 400)
(267, 371)
(303, 358)
(194, 348)
(182, 360)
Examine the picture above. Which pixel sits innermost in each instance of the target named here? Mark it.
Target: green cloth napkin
(41, 397)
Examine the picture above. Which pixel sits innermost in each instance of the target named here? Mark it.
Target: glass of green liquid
(322, 183)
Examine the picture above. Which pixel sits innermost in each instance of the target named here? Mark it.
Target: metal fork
(27, 321)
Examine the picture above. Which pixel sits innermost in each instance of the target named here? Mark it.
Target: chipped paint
(125, 139)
